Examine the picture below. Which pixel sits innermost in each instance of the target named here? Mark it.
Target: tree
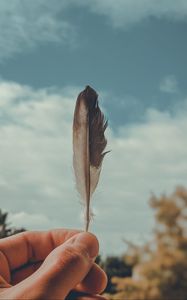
(115, 266)
(161, 273)
(5, 229)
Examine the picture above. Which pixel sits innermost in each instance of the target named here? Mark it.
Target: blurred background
(133, 52)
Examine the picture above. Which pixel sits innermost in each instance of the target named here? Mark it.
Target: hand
(50, 265)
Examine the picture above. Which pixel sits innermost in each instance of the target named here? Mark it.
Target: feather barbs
(89, 142)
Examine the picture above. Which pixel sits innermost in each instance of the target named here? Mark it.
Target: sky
(133, 52)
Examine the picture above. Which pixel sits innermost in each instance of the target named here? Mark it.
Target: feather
(89, 143)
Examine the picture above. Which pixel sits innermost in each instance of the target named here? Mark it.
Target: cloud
(25, 25)
(29, 220)
(36, 180)
(169, 84)
(128, 12)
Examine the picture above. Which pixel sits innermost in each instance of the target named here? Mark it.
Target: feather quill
(89, 143)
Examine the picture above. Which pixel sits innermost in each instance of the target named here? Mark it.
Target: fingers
(24, 272)
(63, 269)
(4, 269)
(3, 283)
(70, 263)
(83, 296)
(95, 282)
(30, 246)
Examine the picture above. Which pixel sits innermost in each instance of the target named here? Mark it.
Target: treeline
(5, 228)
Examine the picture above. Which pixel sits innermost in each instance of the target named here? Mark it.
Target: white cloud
(128, 12)
(169, 84)
(36, 179)
(27, 24)
(33, 221)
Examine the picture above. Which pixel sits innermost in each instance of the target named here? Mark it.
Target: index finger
(31, 246)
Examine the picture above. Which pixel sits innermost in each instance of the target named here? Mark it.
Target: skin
(56, 264)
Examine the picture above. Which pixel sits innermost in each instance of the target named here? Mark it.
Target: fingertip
(88, 242)
(95, 281)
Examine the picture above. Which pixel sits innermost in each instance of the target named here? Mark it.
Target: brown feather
(89, 143)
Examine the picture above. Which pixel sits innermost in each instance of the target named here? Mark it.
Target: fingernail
(87, 242)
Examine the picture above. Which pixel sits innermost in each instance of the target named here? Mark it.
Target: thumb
(67, 265)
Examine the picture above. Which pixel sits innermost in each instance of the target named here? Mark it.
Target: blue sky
(133, 52)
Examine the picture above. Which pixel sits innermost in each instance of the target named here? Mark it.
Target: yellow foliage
(162, 273)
